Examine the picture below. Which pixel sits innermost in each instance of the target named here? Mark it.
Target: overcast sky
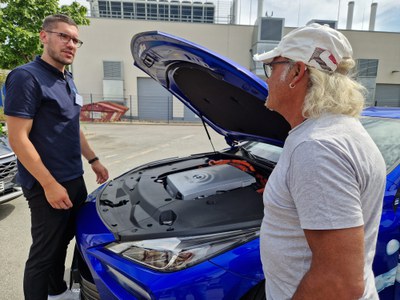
(299, 12)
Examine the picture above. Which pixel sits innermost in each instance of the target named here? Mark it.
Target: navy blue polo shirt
(41, 92)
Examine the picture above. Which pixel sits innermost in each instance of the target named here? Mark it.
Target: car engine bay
(200, 194)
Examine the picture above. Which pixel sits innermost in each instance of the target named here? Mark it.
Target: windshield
(384, 131)
(264, 151)
(386, 134)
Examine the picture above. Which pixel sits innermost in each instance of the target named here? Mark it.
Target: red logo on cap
(332, 58)
(319, 59)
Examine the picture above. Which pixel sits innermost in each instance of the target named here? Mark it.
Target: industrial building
(104, 71)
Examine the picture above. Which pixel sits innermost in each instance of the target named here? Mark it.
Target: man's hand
(57, 196)
(100, 171)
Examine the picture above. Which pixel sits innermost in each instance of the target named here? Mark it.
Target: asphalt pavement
(120, 147)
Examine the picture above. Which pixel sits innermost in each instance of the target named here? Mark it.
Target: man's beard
(57, 56)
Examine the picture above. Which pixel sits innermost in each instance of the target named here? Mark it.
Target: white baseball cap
(316, 45)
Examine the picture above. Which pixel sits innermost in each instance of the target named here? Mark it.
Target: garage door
(154, 101)
(190, 116)
(387, 95)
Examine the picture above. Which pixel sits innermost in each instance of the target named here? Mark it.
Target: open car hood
(225, 95)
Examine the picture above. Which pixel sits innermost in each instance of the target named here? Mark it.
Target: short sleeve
(323, 184)
(22, 94)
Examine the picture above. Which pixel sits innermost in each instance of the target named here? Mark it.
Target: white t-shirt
(330, 175)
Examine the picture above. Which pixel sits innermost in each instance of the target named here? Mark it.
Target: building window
(152, 10)
(367, 67)
(141, 11)
(115, 9)
(112, 70)
(209, 12)
(186, 11)
(197, 11)
(104, 9)
(175, 11)
(271, 29)
(164, 10)
(129, 13)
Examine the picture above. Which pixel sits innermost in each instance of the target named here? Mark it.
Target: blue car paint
(233, 261)
(213, 281)
(186, 52)
(386, 260)
(226, 276)
(386, 263)
(231, 274)
(382, 112)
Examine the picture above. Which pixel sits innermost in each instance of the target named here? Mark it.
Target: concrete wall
(383, 46)
(109, 40)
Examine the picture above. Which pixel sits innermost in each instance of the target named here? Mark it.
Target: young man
(42, 108)
(323, 200)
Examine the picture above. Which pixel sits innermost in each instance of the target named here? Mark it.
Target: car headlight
(173, 254)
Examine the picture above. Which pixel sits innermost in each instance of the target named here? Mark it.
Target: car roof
(382, 112)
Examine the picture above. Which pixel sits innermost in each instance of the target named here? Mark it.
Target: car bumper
(15, 192)
(115, 277)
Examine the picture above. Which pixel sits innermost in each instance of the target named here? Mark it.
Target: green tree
(20, 24)
(3, 75)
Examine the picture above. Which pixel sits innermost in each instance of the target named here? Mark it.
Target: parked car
(9, 189)
(188, 228)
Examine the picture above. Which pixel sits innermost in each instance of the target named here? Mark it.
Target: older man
(323, 200)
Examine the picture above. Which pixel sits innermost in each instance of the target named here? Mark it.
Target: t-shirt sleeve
(22, 94)
(324, 187)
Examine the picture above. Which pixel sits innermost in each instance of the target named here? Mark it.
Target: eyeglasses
(268, 67)
(65, 38)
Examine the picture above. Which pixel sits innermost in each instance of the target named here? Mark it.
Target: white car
(9, 189)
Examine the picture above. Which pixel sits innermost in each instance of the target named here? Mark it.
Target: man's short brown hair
(50, 21)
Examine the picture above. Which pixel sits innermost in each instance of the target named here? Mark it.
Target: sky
(299, 12)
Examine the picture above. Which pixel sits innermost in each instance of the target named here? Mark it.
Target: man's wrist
(90, 161)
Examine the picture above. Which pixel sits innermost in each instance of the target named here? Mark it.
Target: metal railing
(96, 108)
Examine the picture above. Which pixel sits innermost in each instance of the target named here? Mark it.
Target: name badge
(78, 100)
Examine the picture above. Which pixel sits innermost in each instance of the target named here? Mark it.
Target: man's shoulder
(28, 69)
(32, 71)
(326, 127)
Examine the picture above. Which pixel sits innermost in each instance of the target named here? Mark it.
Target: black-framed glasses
(268, 67)
(65, 38)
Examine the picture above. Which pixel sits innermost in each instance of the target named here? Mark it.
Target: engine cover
(203, 182)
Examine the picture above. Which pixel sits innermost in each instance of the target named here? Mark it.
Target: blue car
(188, 228)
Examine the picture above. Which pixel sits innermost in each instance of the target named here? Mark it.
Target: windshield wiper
(248, 154)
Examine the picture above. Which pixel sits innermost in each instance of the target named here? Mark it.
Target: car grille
(88, 290)
(8, 170)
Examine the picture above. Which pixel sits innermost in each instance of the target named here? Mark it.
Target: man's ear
(299, 70)
(43, 36)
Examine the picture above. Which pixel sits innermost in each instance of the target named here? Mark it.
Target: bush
(2, 115)
(3, 75)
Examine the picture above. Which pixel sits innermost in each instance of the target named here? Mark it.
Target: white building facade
(103, 68)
